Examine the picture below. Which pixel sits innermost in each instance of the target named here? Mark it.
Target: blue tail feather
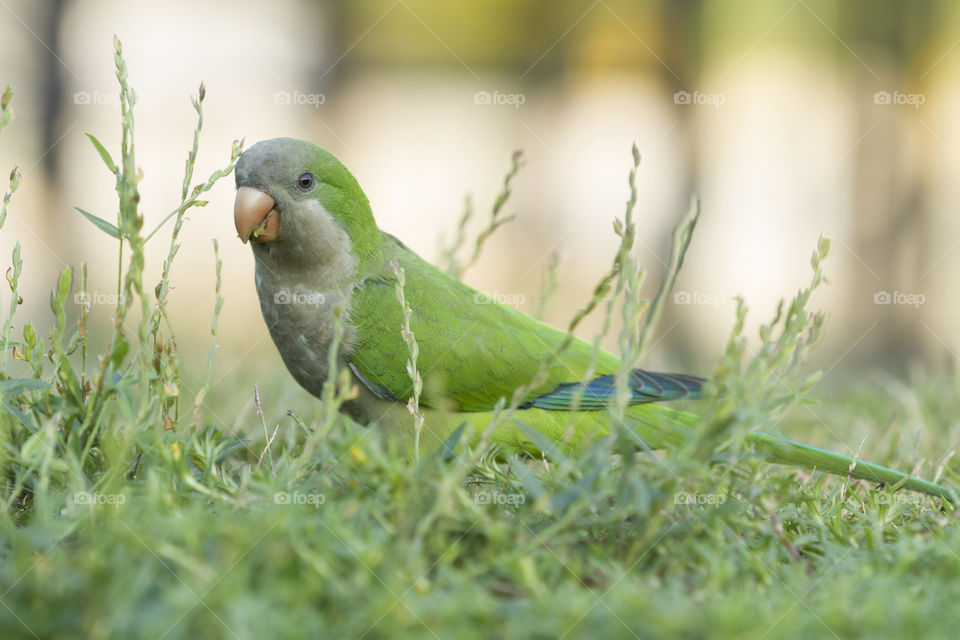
(645, 386)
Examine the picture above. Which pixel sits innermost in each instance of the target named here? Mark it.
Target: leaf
(33, 449)
(101, 224)
(104, 154)
(30, 335)
(119, 352)
(448, 447)
(226, 446)
(64, 284)
(16, 386)
(573, 492)
(529, 480)
(14, 412)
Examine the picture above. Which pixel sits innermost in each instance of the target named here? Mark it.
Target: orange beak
(255, 216)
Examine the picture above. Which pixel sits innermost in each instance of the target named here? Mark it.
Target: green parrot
(317, 248)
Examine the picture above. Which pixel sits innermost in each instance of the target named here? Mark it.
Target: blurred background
(790, 119)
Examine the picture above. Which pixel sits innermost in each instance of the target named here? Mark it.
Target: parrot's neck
(319, 252)
(299, 305)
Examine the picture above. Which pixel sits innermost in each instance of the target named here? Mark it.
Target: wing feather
(471, 350)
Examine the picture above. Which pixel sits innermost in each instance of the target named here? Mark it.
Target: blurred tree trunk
(52, 86)
(890, 214)
(684, 23)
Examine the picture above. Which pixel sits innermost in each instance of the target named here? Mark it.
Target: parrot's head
(301, 208)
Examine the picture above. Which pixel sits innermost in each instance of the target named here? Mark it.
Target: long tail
(650, 386)
(785, 451)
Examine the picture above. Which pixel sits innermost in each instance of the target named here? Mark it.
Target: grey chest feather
(301, 284)
(301, 323)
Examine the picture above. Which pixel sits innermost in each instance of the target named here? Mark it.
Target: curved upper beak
(255, 216)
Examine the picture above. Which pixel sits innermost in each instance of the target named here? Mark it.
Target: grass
(123, 516)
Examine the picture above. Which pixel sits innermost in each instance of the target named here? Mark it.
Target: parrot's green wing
(471, 349)
(474, 351)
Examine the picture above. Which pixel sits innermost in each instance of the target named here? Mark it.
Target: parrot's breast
(301, 323)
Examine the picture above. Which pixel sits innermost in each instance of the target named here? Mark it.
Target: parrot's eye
(305, 181)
